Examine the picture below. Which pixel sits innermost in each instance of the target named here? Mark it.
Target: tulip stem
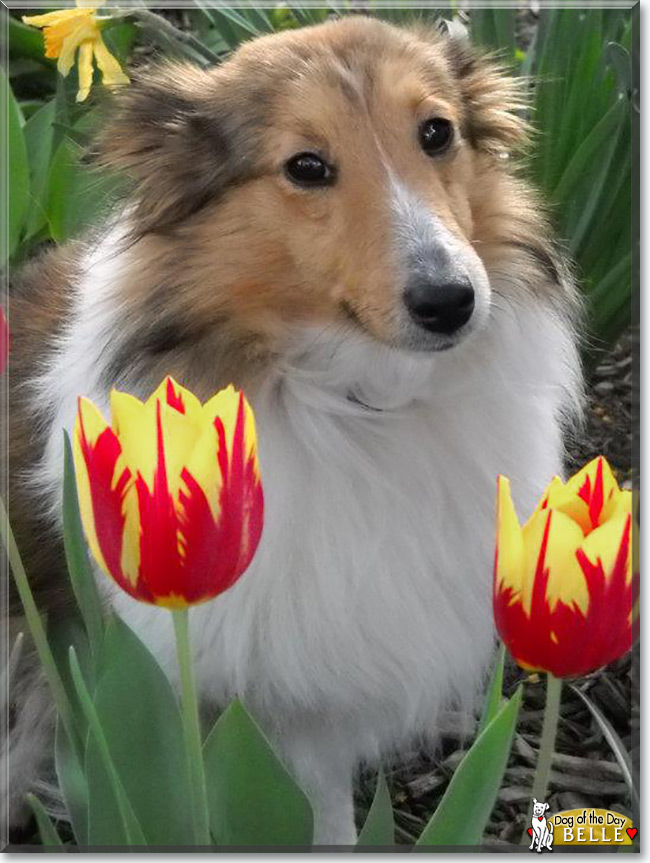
(547, 740)
(37, 630)
(192, 729)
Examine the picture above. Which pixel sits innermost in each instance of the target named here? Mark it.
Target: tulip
(170, 493)
(68, 31)
(563, 584)
(565, 597)
(172, 506)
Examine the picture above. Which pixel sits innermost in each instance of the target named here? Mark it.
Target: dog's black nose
(440, 308)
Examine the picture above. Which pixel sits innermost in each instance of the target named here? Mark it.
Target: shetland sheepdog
(332, 220)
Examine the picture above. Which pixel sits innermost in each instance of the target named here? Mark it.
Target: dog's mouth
(410, 337)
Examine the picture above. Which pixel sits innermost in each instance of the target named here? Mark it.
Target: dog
(542, 829)
(334, 221)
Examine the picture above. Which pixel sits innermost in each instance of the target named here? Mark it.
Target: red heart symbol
(530, 831)
(631, 832)
(539, 817)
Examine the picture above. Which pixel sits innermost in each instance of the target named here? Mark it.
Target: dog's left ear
(546, 806)
(175, 134)
(495, 100)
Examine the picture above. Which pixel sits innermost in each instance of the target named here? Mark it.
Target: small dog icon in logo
(542, 830)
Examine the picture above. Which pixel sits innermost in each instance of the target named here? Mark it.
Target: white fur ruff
(368, 605)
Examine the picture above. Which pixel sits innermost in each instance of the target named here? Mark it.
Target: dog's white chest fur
(368, 603)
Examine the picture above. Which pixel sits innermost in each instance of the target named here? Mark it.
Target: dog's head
(351, 171)
(539, 808)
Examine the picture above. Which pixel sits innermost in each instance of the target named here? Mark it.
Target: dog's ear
(534, 801)
(546, 806)
(495, 101)
(171, 136)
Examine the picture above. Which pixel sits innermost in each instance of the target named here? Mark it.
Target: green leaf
(252, 798)
(141, 722)
(39, 136)
(25, 41)
(72, 782)
(81, 571)
(46, 829)
(105, 822)
(105, 791)
(14, 192)
(78, 196)
(64, 632)
(464, 810)
(379, 828)
(494, 694)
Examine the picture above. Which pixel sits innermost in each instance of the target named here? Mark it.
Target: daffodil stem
(547, 740)
(37, 630)
(156, 23)
(192, 729)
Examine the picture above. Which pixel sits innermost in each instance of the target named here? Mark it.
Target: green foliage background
(584, 101)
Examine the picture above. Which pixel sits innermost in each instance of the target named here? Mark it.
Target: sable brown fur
(226, 258)
(39, 305)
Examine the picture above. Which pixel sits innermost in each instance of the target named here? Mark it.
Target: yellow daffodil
(170, 493)
(69, 31)
(565, 595)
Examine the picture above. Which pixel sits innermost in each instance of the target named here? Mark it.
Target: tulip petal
(509, 564)
(103, 483)
(565, 580)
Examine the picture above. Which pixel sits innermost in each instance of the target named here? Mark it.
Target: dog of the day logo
(586, 827)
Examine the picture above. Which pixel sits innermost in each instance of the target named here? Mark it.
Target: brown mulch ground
(585, 771)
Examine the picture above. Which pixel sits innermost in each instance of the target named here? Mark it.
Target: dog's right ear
(535, 801)
(167, 134)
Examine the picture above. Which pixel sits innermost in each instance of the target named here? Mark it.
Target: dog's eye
(308, 169)
(436, 135)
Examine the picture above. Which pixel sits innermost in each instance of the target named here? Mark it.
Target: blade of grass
(46, 829)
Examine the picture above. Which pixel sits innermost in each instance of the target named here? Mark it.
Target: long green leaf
(72, 783)
(49, 837)
(379, 828)
(14, 192)
(39, 137)
(494, 694)
(252, 798)
(81, 572)
(98, 754)
(141, 723)
(464, 810)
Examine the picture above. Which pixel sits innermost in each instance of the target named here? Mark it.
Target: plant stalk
(154, 22)
(37, 630)
(547, 740)
(192, 730)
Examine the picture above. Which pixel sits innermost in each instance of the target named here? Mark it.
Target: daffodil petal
(52, 18)
(85, 65)
(112, 73)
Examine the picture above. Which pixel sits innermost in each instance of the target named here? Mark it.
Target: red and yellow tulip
(170, 493)
(564, 590)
